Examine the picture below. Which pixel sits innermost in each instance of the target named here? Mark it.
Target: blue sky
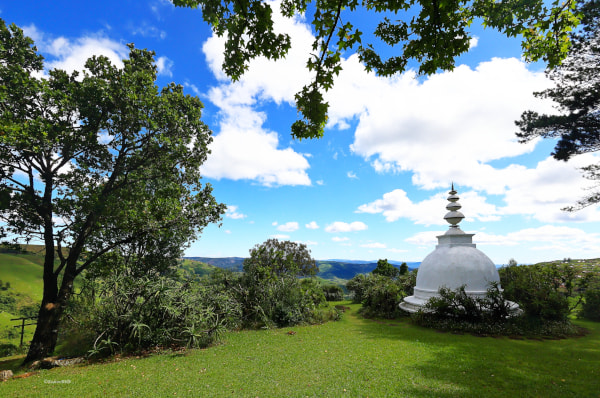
(375, 185)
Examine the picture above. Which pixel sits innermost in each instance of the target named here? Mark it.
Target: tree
(96, 162)
(277, 258)
(273, 294)
(577, 97)
(386, 269)
(403, 269)
(433, 33)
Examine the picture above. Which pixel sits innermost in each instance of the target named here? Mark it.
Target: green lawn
(353, 357)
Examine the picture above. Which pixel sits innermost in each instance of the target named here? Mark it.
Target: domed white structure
(454, 262)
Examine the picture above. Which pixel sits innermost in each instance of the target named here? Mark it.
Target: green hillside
(197, 267)
(21, 293)
(24, 272)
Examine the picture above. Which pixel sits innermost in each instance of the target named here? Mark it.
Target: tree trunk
(46, 332)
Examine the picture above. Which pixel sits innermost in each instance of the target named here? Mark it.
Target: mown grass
(353, 357)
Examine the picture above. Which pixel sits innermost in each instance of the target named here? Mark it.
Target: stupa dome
(454, 262)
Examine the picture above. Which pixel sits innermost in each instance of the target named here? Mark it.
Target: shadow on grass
(459, 365)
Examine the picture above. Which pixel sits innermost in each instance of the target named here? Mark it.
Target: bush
(8, 349)
(456, 311)
(135, 313)
(333, 293)
(380, 295)
(270, 293)
(542, 291)
(591, 304)
(462, 307)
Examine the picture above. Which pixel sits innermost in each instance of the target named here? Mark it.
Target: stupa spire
(453, 217)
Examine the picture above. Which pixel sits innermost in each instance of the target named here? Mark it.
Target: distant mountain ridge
(328, 269)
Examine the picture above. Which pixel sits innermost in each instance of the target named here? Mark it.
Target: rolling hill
(333, 270)
(23, 274)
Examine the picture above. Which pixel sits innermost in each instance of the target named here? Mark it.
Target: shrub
(380, 295)
(333, 293)
(8, 349)
(456, 311)
(591, 304)
(135, 313)
(542, 291)
(270, 293)
(462, 307)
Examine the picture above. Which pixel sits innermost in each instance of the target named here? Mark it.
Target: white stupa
(454, 262)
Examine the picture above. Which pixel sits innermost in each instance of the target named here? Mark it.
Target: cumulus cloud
(71, 55)
(232, 212)
(374, 245)
(339, 226)
(340, 239)
(559, 240)
(243, 148)
(288, 227)
(164, 66)
(312, 225)
(396, 204)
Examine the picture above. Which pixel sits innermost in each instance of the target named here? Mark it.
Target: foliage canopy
(576, 94)
(432, 33)
(94, 162)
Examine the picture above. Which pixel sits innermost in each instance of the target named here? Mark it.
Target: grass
(353, 357)
(24, 272)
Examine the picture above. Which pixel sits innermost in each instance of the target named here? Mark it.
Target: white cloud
(374, 245)
(543, 191)
(352, 175)
(312, 225)
(232, 212)
(71, 55)
(473, 42)
(243, 149)
(340, 239)
(146, 30)
(288, 227)
(396, 204)
(425, 238)
(559, 240)
(164, 66)
(460, 119)
(393, 250)
(309, 242)
(339, 226)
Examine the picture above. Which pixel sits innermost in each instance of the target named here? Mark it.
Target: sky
(375, 186)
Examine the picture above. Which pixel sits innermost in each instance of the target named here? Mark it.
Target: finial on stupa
(453, 216)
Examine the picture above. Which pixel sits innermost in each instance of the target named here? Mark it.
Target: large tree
(277, 258)
(431, 32)
(96, 162)
(576, 95)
